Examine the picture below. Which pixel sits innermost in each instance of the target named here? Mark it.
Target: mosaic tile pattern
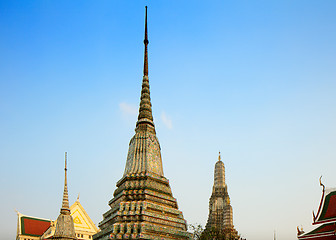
(144, 154)
(143, 206)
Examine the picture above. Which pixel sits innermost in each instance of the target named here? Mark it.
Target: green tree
(212, 234)
(196, 230)
(219, 234)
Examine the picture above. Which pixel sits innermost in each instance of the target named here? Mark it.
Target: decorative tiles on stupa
(144, 153)
(220, 210)
(143, 206)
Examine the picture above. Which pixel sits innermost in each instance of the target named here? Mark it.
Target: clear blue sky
(253, 79)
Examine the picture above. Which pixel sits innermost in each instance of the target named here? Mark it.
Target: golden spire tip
(66, 159)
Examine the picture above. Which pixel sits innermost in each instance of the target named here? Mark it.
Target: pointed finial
(146, 50)
(314, 217)
(78, 197)
(145, 110)
(299, 232)
(65, 202)
(321, 184)
(66, 159)
(219, 156)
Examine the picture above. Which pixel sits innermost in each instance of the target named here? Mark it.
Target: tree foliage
(212, 234)
(196, 230)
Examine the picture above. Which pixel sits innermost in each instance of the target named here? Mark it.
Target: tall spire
(65, 229)
(219, 176)
(65, 203)
(220, 218)
(145, 110)
(143, 206)
(146, 50)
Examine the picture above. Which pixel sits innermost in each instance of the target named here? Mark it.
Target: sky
(255, 80)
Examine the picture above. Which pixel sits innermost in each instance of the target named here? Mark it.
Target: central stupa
(143, 206)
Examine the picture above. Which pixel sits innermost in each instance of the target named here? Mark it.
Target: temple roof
(324, 232)
(32, 226)
(326, 214)
(327, 210)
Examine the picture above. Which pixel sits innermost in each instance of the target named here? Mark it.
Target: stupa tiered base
(143, 208)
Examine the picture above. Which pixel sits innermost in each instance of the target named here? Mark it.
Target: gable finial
(321, 184)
